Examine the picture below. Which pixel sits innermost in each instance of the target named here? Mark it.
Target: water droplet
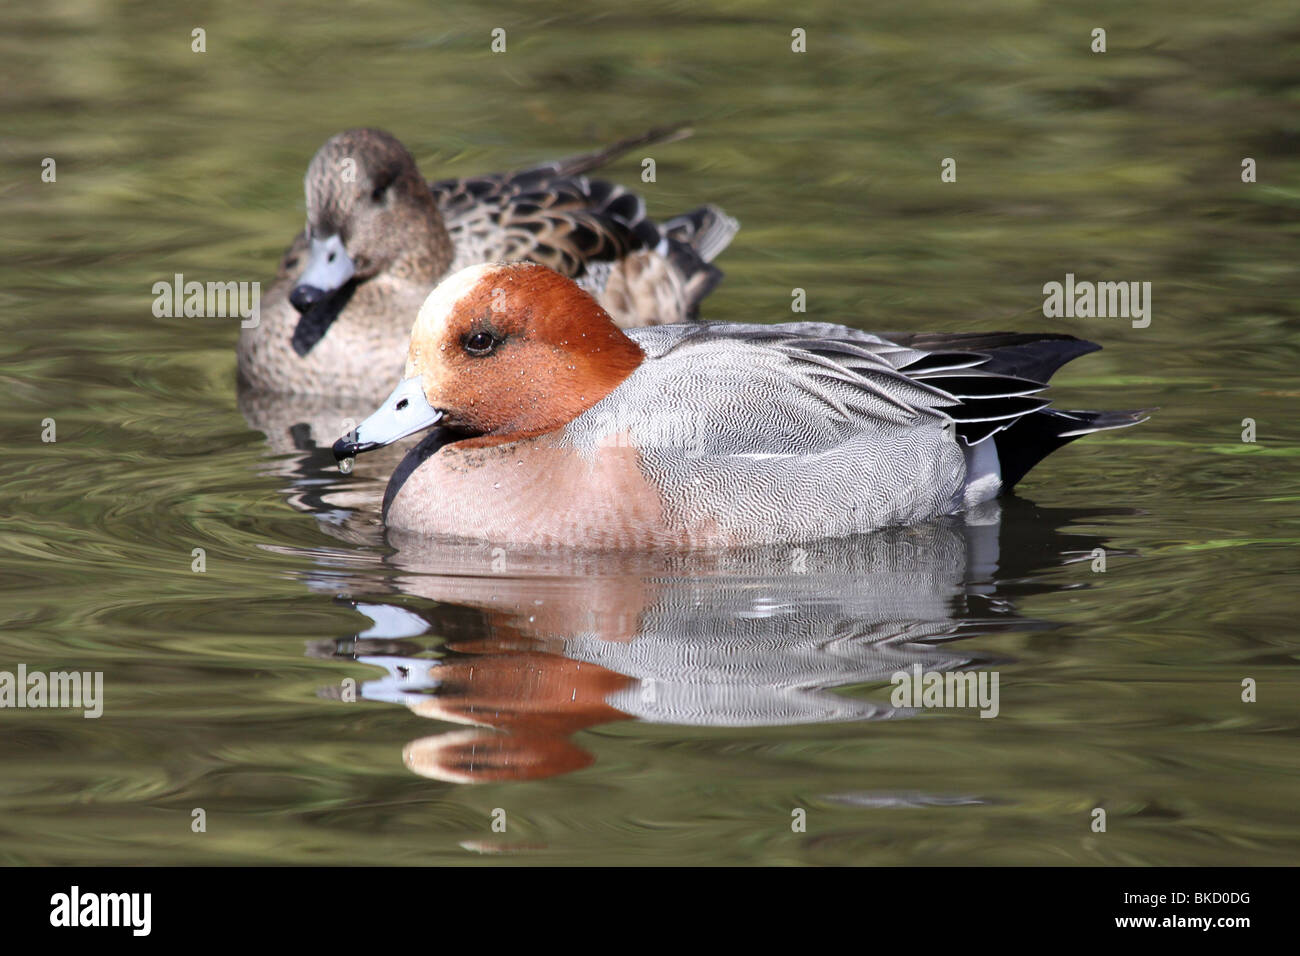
(345, 466)
(496, 486)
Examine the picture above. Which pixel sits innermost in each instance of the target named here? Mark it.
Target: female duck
(378, 238)
(555, 428)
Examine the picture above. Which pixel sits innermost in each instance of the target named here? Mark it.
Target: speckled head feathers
(365, 187)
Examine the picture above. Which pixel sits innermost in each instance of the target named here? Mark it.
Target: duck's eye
(480, 343)
(383, 178)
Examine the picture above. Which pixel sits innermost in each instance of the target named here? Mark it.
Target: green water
(650, 712)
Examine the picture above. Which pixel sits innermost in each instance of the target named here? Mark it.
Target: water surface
(658, 711)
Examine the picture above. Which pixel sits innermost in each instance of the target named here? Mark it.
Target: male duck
(555, 428)
(378, 238)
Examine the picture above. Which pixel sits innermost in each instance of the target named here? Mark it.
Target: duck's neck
(427, 253)
(597, 355)
(596, 361)
(581, 384)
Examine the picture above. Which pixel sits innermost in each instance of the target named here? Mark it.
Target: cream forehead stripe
(431, 321)
(441, 303)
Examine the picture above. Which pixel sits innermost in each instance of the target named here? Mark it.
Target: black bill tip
(349, 447)
(303, 297)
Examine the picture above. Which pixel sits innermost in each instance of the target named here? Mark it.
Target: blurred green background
(1120, 166)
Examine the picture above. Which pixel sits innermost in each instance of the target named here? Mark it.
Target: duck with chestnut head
(552, 427)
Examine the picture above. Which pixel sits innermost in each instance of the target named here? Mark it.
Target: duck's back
(752, 436)
(593, 231)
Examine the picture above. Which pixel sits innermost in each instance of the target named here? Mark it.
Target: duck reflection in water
(529, 650)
